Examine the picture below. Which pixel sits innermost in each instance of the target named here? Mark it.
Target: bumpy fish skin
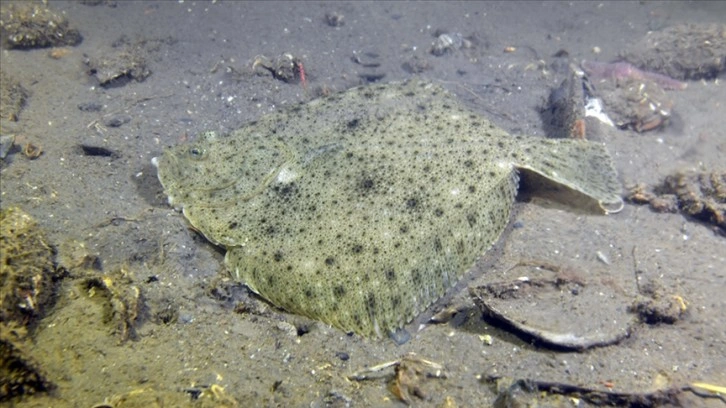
(361, 209)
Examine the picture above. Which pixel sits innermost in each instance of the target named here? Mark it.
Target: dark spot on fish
(352, 124)
(395, 301)
(371, 304)
(286, 191)
(416, 277)
(437, 244)
(367, 184)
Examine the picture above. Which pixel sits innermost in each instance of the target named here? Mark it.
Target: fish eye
(196, 152)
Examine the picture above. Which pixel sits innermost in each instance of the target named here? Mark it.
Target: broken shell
(448, 42)
(334, 19)
(32, 151)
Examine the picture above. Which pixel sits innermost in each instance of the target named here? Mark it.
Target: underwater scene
(362, 204)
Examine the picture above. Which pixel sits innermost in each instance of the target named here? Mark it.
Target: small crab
(636, 103)
(649, 106)
(286, 67)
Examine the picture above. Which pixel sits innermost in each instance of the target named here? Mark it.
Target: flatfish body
(362, 208)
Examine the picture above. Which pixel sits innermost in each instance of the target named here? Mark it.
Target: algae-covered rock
(19, 373)
(26, 268)
(27, 25)
(682, 51)
(13, 97)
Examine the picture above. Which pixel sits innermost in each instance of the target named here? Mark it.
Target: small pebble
(400, 336)
(6, 143)
(185, 318)
(334, 19)
(117, 121)
(90, 107)
(602, 258)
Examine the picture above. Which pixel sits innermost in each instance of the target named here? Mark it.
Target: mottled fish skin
(361, 209)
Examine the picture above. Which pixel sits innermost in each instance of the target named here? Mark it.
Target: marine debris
(410, 372)
(700, 195)
(545, 305)
(533, 392)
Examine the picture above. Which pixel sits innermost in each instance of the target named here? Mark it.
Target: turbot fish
(362, 208)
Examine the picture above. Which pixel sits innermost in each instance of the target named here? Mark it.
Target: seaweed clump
(27, 287)
(19, 373)
(13, 97)
(27, 272)
(27, 25)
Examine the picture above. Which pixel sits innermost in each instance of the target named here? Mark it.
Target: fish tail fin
(580, 165)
